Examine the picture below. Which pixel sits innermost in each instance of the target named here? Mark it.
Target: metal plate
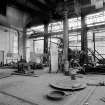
(56, 95)
(68, 85)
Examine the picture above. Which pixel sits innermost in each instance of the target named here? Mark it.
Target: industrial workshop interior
(52, 52)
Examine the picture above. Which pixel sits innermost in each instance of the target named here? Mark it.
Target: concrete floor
(24, 90)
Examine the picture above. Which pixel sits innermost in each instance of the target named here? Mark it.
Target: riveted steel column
(94, 46)
(66, 39)
(24, 43)
(45, 42)
(84, 45)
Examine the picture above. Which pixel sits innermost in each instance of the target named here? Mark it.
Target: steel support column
(94, 46)
(22, 43)
(84, 45)
(65, 40)
(45, 42)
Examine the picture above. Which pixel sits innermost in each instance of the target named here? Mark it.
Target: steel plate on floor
(68, 85)
(56, 95)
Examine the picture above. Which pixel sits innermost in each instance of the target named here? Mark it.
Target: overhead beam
(51, 4)
(42, 1)
(28, 8)
(40, 5)
(70, 31)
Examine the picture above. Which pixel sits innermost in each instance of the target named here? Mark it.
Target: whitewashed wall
(6, 41)
(29, 49)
